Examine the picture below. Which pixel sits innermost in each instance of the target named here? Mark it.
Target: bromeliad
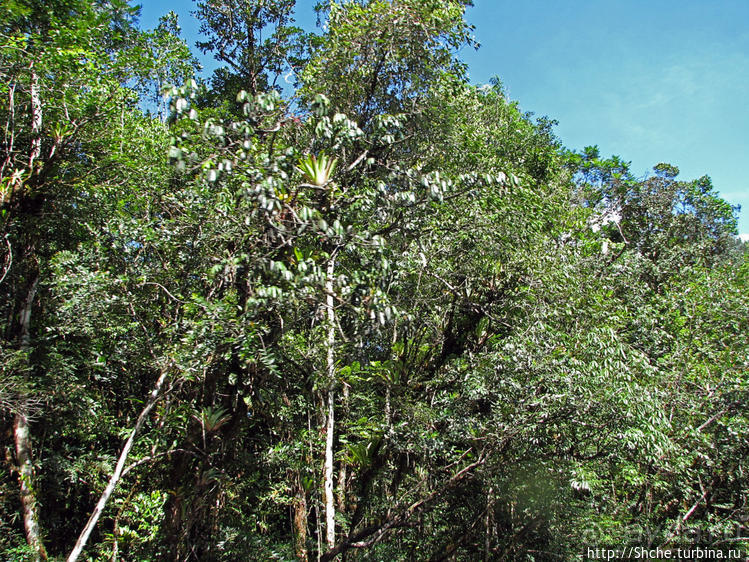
(318, 171)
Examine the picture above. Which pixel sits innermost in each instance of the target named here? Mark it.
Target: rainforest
(333, 301)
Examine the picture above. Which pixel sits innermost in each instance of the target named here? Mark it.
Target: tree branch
(118, 471)
(153, 458)
(378, 531)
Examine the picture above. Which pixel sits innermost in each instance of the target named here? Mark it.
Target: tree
(234, 32)
(53, 56)
(668, 221)
(382, 57)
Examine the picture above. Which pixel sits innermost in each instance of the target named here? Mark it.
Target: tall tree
(53, 57)
(255, 39)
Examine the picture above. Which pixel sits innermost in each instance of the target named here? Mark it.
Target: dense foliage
(381, 314)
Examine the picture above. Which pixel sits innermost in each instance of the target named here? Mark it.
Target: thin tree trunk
(388, 412)
(26, 478)
(315, 502)
(330, 426)
(21, 428)
(328, 485)
(318, 530)
(83, 538)
(300, 519)
(388, 407)
(22, 436)
(10, 139)
(342, 472)
(489, 524)
(36, 120)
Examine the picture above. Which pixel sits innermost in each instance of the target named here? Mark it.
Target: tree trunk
(489, 524)
(388, 406)
(83, 538)
(342, 472)
(36, 120)
(330, 426)
(22, 436)
(300, 519)
(26, 478)
(21, 426)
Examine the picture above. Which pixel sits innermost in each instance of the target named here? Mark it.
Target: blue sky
(650, 81)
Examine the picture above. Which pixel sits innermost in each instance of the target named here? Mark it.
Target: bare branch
(153, 458)
(171, 296)
(118, 471)
(356, 162)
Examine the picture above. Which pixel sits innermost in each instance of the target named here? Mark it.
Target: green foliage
(533, 350)
(255, 39)
(379, 56)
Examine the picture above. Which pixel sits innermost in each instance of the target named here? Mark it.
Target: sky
(647, 80)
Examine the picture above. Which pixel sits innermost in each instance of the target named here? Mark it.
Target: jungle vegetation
(335, 302)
